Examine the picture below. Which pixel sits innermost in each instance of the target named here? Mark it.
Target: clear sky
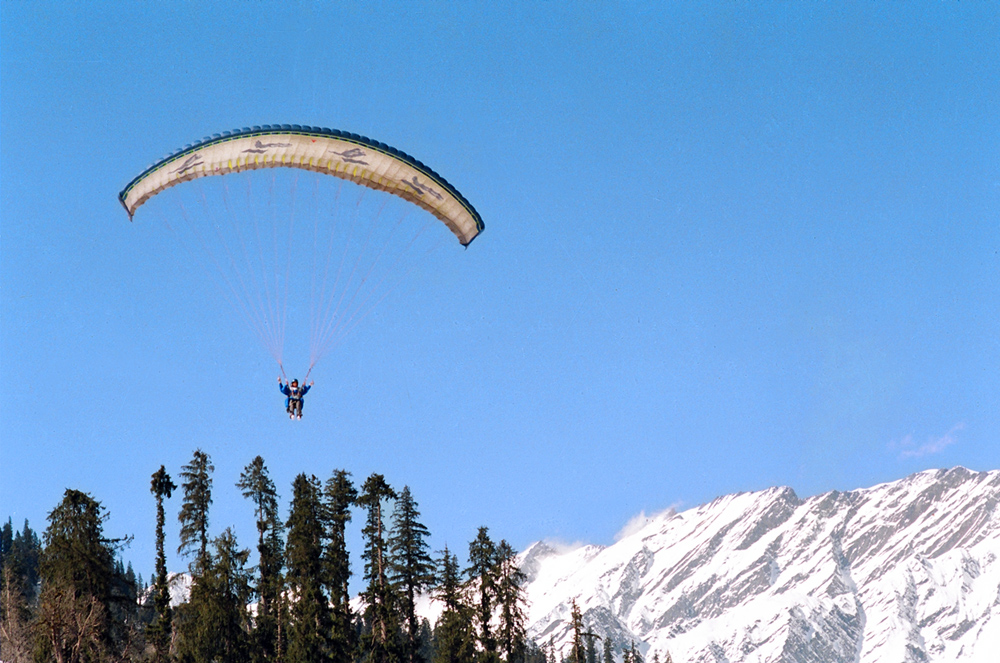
(729, 245)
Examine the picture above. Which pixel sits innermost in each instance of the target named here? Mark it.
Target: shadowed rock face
(838, 641)
(631, 582)
(905, 571)
(779, 511)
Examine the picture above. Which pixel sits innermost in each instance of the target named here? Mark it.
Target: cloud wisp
(909, 449)
(640, 520)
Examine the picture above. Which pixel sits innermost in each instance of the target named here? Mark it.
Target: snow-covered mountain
(907, 571)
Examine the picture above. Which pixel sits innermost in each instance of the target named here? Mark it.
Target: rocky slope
(902, 572)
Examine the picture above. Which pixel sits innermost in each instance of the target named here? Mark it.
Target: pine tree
(160, 629)
(78, 572)
(215, 623)
(578, 654)
(6, 540)
(339, 495)
(454, 635)
(309, 618)
(193, 517)
(257, 486)
(482, 554)
(609, 652)
(231, 583)
(591, 647)
(510, 599)
(380, 614)
(411, 567)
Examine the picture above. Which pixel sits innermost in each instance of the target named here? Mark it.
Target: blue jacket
(293, 394)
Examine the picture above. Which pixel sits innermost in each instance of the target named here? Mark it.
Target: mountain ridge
(906, 570)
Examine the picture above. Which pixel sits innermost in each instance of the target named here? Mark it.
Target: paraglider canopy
(345, 155)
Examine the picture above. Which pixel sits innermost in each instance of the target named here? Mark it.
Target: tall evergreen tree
(6, 540)
(481, 572)
(578, 654)
(609, 652)
(454, 635)
(411, 567)
(160, 629)
(510, 599)
(75, 619)
(215, 623)
(309, 613)
(256, 485)
(339, 495)
(193, 516)
(380, 614)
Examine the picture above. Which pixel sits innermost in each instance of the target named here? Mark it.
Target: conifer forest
(67, 596)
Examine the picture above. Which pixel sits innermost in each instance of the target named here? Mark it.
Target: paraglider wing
(348, 156)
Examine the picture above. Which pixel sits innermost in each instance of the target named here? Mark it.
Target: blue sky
(729, 245)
